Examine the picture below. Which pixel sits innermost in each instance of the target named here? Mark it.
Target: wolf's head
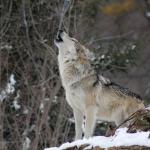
(68, 45)
(64, 42)
(74, 59)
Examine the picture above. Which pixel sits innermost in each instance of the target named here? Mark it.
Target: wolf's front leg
(90, 119)
(78, 115)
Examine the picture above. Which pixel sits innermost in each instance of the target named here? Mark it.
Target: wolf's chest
(76, 98)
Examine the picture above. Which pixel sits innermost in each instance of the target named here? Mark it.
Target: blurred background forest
(33, 110)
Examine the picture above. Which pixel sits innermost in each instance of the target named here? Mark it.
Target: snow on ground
(9, 89)
(121, 138)
(15, 102)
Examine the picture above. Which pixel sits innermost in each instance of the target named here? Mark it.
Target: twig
(65, 8)
(129, 118)
(110, 37)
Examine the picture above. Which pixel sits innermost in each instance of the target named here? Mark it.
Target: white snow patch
(55, 99)
(148, 14)
(99, 121)
(15, 102)
(25, 111)
(9, 89)
(71, 120)
(133, 47)
(12, 80)
(42, 107)
(10, 85)
(127, 60)
(8, 47)
(26, 144)
(16, 105)
(121, 138)
(46, 99)
(102, 56)
(148, 107)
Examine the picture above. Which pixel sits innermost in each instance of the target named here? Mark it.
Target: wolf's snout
(59, 36)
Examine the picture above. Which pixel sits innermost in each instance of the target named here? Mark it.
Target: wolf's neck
(72, 71)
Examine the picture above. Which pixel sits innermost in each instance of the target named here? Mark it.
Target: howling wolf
(88, 93)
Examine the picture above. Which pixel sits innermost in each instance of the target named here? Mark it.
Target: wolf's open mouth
(59, 38)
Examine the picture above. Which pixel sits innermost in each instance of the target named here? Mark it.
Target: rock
(134, 147)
